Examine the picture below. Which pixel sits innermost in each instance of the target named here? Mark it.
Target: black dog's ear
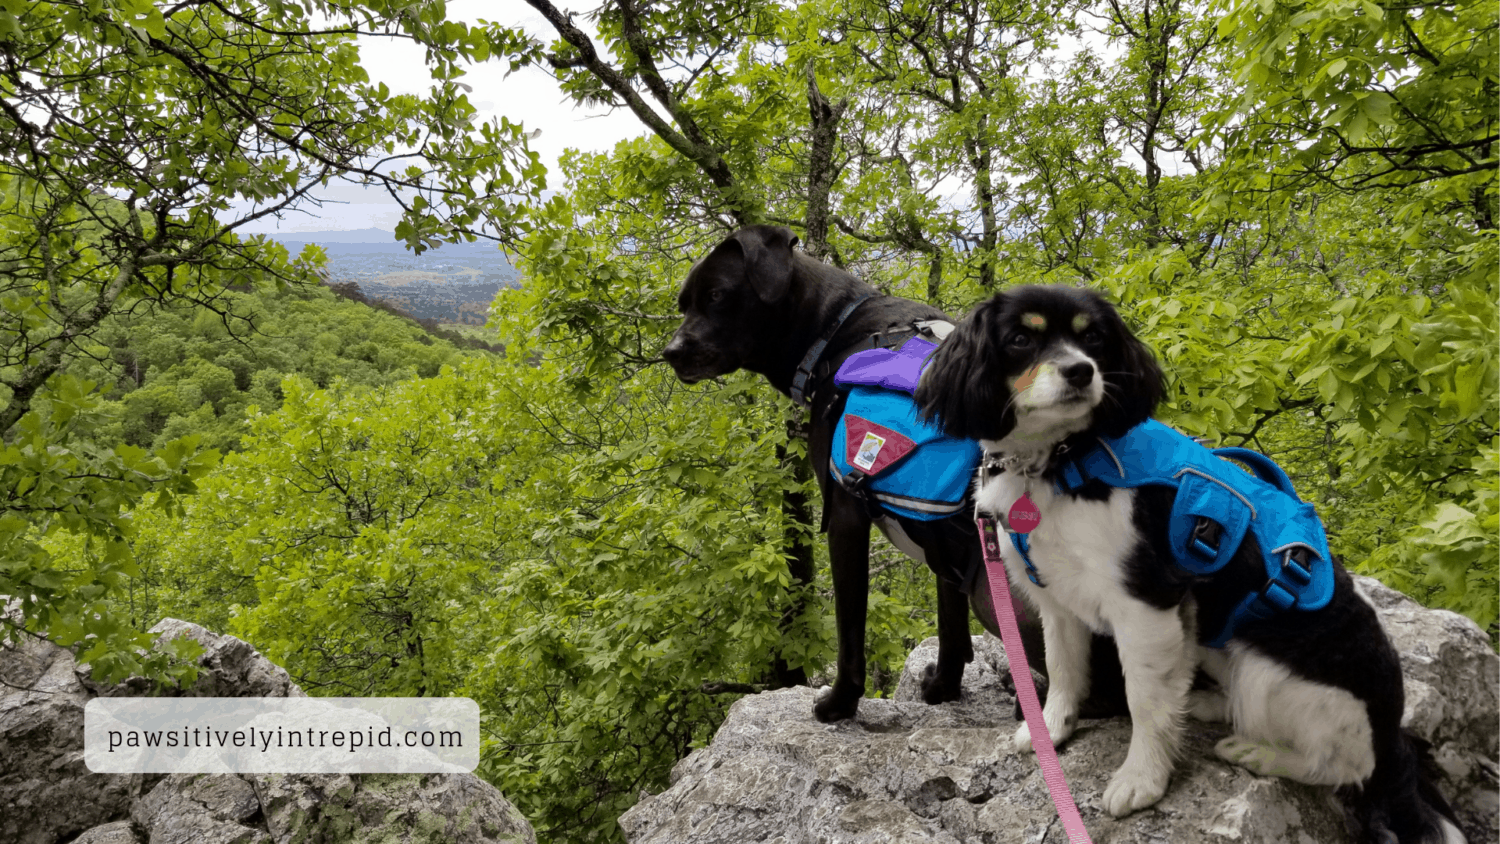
(1138, 387)
(768, 259)
(963, 389)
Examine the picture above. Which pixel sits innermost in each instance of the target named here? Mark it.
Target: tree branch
(698, 150)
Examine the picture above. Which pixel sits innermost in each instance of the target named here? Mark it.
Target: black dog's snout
(677, 350)
(1078, 375)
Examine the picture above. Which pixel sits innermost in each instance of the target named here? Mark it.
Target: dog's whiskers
(1106, 395)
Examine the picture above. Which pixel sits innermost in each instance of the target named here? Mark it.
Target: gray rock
(46, 790)
(48, 795)
(185, 808)
(233, 668)
(906, 772)
(119, 832)
(405, 808)
(1452, 677)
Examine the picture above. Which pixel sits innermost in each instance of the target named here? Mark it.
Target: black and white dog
(1314, 696)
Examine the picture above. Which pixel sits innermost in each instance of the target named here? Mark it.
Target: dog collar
(998, 463)
(810, 360)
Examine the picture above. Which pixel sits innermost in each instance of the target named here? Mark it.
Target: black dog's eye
(715, 296)
(1020, 339)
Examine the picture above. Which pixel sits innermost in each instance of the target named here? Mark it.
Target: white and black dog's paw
(1059, 728)
(1134, 787)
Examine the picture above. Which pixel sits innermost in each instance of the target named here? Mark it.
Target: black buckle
(1204, 543)
(857, 484)
(1294, 567)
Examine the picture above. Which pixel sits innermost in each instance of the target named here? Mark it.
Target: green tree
(1367, 96)
(136, 138)
(303, 331)
(1392, 107)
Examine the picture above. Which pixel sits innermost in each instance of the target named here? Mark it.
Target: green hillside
(183, 370)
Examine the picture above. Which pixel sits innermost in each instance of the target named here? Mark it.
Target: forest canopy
(1292, 201)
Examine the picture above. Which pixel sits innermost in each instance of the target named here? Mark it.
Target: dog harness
(883, 453)
(1217, 504)
(809, 365)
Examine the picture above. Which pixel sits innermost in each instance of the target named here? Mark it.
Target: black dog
(754, 303)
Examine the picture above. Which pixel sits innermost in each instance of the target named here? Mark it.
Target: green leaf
(1468, 386)
(1328, 385)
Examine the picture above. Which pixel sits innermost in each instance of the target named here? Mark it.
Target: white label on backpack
(869, 450)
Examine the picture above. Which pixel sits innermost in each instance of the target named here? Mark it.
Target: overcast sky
(529, 96)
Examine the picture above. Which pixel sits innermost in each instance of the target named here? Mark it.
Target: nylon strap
(1020, 671)
(810, 361)
(1023, 547)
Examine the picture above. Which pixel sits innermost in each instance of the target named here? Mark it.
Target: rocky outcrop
(907, 772)
(1452, 681)
(47, 794)
(46, 791)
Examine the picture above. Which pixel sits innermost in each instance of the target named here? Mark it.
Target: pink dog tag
(1023, 516)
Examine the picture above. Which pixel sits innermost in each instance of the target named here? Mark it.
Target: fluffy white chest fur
(1078, 548)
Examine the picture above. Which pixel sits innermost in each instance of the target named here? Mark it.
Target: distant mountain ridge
(370, 235)
(454, 282)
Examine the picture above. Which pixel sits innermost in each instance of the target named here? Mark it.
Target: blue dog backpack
(1217, 505)
(883, 451)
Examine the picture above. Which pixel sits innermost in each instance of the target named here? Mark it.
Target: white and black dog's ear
(964, 388)
(1134, 382)
(768, 259)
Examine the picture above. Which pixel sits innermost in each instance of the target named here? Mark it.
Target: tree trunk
(800, 553)
(821, 172)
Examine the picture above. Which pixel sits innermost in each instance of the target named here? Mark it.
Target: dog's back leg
(943, 680)
(1287, 726)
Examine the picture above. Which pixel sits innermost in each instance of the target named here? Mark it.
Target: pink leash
(1020, 671)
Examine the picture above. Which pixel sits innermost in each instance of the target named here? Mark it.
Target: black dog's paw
(835, 706)
(1102, 704)
(941, 687)
(1009, 684)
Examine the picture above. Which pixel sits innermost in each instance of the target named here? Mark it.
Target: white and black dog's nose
(1078, 375)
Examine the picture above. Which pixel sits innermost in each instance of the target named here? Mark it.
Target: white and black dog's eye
(1092, 337)
(1020, 340)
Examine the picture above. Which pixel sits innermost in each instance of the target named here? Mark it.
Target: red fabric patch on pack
(873, 447)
